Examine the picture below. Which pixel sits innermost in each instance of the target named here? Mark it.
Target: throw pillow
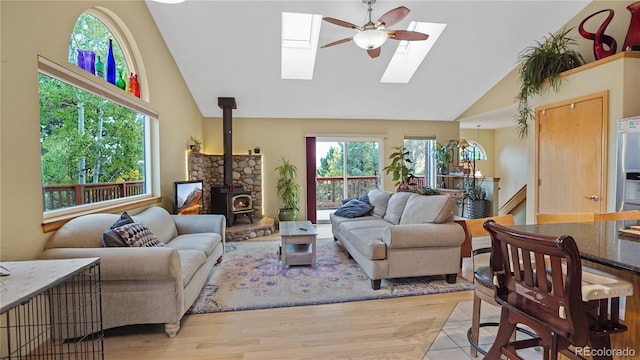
(379, 199)
(395, 207)
(138, 235)
(422, 209)
(364, 198)
(111, 238)
(354, 208)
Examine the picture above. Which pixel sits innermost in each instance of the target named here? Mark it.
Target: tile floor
(451, 343)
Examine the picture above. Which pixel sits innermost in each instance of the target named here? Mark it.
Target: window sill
(53, 224)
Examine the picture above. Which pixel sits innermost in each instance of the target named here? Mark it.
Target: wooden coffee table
(298, 243)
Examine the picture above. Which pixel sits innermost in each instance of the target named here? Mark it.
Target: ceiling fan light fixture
(370, 39)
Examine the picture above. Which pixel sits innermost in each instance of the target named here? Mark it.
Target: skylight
(300, 33)
(410, 54)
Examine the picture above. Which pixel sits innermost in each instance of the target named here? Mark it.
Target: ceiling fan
(372, 35)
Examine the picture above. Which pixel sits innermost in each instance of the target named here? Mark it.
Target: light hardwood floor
(400, 328)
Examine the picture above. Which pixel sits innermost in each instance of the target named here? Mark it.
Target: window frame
(481, 152)
(81, 79)
(430, 142)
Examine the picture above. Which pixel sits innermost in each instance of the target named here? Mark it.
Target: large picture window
(94, 136)
(92, 149)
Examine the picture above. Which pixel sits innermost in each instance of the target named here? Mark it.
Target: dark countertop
(598, 242)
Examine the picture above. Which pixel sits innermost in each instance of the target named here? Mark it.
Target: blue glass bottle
(111, 64)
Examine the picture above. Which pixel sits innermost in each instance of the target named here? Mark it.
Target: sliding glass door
(345, 168)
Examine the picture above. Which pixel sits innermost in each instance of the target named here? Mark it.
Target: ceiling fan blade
(406, 35)
(341, 23)
(337, 42)
(392, 17)
(374, 53)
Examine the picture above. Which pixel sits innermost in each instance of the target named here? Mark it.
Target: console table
(51, 309)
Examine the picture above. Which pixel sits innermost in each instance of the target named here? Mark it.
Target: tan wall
(32, 28)
(510, 162)
(28, 30)
(620, 79)
(504, 92)
(286, 137)
(486, 139)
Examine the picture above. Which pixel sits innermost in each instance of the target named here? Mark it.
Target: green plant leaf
(544, 61)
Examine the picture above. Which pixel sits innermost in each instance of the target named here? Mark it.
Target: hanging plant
(540, 63)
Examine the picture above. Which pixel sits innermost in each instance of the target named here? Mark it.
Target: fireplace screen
(241, 203)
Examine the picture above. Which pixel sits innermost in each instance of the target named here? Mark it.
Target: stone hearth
(247, 173)
(244, 230)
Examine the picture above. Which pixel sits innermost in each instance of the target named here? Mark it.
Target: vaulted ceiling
(232, 49)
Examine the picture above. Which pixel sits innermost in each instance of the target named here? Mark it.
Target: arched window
(95, 147)
(473, 150)
(91, 37)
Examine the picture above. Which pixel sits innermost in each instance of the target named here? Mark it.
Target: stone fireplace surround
(247, 172)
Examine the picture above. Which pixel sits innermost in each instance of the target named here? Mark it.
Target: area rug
(250, 276)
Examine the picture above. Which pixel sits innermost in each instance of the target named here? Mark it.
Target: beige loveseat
(146, 284)
(405, 235)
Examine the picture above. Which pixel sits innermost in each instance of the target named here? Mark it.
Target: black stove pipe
(227, 104)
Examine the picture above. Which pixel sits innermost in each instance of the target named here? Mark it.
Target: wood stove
(231, 201)
(228, 199)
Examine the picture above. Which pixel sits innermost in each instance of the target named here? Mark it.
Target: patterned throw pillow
(111, 238)
(138, 235)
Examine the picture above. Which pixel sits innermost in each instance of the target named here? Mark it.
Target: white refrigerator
(628, 184)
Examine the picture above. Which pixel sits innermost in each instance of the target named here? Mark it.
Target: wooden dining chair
(482, 275)
(538, 283)
(554, 218)
(619, 215)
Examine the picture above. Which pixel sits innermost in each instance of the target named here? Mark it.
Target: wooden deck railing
(62, 196)
(329, 190)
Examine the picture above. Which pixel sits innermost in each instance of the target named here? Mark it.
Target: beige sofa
(146, 284)
(406, 235)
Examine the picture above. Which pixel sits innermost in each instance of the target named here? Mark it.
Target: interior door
(571, 155)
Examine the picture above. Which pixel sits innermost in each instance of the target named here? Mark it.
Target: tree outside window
(92, 146)
(91, 34)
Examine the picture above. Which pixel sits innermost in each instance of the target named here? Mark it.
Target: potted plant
(442, 154)
(399, 168)
(288, 190)
(195, 145)
(427, 191)
(475, 198)
(544, 61)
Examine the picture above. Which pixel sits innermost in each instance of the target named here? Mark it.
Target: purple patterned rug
(250, 277)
